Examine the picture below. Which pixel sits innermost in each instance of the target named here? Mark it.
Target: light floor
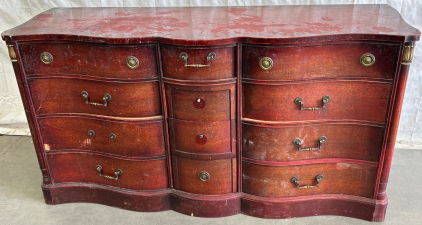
(22, 202)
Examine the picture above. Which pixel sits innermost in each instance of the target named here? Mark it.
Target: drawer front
(132, 139)
(220, 180)
(202, 137)
(338, 178)
(222, 67)
(201, 103)
(57, 95)
(81, 167)
(271, 143)
(353, 100)
(89, 60)
(323, 61)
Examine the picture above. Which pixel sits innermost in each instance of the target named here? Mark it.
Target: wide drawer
(125, 138)
(192, 63)
(352, 100)
(201, 103)
(338, 178)
(309, 62)
(197, 137)
(90, 60)
(204, 177)
(272, 142)
(135, 174)
(57, 95)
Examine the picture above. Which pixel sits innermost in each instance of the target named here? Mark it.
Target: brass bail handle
(184, 57)
(295, 180)
(106, 99)
(298, 142)
(325, 100)
(117, 173)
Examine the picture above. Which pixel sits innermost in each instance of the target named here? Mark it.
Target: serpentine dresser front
(274, 112)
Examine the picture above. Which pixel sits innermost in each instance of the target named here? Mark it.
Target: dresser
(273, 112)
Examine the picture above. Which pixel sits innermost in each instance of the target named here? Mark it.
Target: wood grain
(57, 95)
(185, 176)
(319, 61)
(137, 175)
(222, 67)
(353, 100)
(134, 139)
(339, 178)
(275, 143)
(91, 60)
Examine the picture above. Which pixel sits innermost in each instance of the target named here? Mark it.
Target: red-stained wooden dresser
(274, 112)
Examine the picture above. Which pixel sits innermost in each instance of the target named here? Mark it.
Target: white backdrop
(15, 12)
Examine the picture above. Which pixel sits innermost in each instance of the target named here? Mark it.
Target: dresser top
(217, 25)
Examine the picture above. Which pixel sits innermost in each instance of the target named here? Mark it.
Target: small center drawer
(204, 177)
(336, 178)
(133, 174)
(198, 63)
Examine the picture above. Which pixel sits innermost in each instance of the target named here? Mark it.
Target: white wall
(15, 12)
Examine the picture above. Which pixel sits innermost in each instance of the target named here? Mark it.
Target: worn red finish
(232, 119)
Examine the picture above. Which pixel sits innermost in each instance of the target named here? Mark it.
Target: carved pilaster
(408, 55)
(12, 53)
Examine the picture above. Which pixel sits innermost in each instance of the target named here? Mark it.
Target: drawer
(90, 60)
(221, 67)
(136, 174)
(195, 137)
(206, 103)
(131, 139)
(57, 95)
(338, 178)
(204, 177)
(275, 142)
(321, 61)
(352, 100)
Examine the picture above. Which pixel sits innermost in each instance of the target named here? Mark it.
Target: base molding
(216, 205)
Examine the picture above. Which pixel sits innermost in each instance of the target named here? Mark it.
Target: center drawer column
(200, 89)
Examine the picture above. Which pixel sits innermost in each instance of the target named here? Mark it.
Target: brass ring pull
(117, 173)
(132, 62)
(204, 176)
(298, 142)
(325, 100)
(367, 59)
(295, 180)
(46, 58)
(106, 99)
(266, 63)
(184, 57)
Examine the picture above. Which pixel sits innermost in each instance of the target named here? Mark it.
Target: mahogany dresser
(274, 112)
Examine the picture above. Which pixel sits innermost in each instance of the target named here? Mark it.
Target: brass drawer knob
(117, 173)
(132, 62)
(295, 180)
(298, 142)
(266, 63)
(203, 176)
(46, 58)
(112, 136)
(367, 59)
